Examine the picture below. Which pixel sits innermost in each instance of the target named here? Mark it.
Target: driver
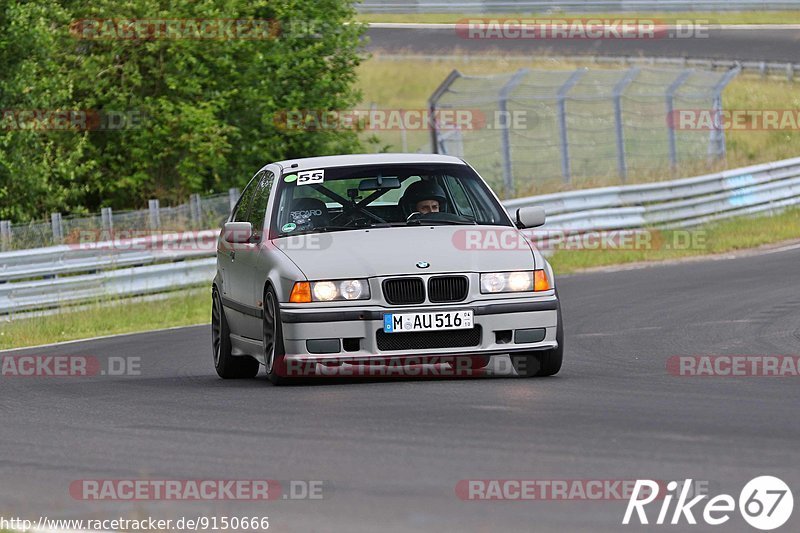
(424, 197)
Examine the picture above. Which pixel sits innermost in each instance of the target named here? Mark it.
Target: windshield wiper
(444, 222)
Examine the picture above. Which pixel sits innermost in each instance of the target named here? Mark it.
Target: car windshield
(346, 198)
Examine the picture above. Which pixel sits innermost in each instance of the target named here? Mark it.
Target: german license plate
(437, 321)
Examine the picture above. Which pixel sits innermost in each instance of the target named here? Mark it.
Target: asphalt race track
(754, 44)
(392, 450)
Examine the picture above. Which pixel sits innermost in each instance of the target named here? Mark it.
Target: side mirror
(530, 217)
(237, 232)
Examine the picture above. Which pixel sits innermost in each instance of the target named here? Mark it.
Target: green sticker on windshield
(290, 178)
(288, 227)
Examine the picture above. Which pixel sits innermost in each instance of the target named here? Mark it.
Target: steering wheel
(415, 213)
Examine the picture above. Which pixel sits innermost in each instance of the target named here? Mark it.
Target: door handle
(233, 255)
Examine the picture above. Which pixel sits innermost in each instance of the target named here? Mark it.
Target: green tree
(207, 107)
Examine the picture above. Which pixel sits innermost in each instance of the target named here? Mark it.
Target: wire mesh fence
(198, 214)
(536, 126)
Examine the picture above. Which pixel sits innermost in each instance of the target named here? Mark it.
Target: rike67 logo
(766, 503)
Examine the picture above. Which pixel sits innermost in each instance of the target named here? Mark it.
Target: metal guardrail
(67, 259)
(25, 296)
(180, 260)
(684, 202)
(575, 6)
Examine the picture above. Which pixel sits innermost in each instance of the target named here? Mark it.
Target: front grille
(443, 289)
(426, 340)
(404, 291)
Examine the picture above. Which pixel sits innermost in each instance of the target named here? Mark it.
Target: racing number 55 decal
(310, 176)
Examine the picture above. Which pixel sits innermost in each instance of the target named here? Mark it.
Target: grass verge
(193, 307)
(109, 317)
(716, 238)
(713, 17)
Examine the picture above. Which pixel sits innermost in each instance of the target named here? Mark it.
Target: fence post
(505, 130)
(433, 102)
(562, 120)
(155, 214)
(195, 209)
(5, 233)
(107, 218)
(671, 90)
(233, 196)
(58, 228)
(618, 90)
(716, 138)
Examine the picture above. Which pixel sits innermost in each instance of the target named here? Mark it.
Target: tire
(542, 363)
(272, 339)
(228, 366)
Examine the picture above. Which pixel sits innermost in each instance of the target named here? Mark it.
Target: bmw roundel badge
(423, 264)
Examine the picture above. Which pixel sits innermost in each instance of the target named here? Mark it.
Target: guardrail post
(107, 218)
(5, 234)
(233, 196)
(195, 209)
(562, 121)
(155, 214)
(671, 90)
(790, 72)
(433, 102)
(58, 228)
(622, 166)
(505, 130)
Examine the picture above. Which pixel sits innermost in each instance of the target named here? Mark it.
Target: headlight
(324, 291)
(328, 291)
(352, 289)
(497, 282)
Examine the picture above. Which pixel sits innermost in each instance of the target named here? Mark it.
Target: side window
(259, 203)
(243, 207)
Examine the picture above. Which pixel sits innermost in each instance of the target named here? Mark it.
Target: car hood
(395, 251)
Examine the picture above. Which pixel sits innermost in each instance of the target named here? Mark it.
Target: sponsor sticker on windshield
(310, 176)
(290, 178)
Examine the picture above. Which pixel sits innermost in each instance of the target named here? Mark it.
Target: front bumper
(350, 334)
